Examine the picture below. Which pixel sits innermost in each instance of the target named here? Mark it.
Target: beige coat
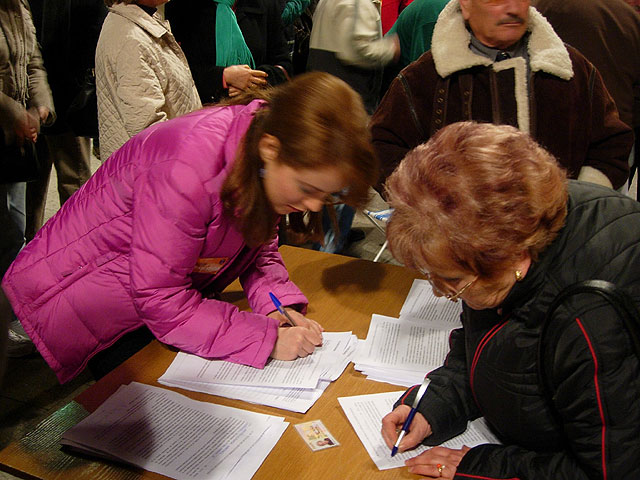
(23, 79)
(142, 76)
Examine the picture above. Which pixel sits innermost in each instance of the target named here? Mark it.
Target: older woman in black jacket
(489, 217)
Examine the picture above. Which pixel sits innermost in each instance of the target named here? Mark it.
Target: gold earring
(518, 275)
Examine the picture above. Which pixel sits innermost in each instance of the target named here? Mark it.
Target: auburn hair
(320, 122)
(475, 196)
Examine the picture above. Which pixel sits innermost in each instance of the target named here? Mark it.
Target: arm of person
(40, 96)
(446, 406)
(611, 140)
(138, 87)
(594, 374)
(357, 25)
(394, 130)
(171, 217)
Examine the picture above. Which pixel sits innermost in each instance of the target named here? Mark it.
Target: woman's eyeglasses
(443, 289)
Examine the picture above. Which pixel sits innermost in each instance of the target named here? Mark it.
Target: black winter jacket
(491, 369)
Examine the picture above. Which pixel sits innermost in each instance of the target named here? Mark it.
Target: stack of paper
(403, 350)
(294, 385)
(168, 433)
(365, 412)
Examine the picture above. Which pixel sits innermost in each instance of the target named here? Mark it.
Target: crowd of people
(501, 135)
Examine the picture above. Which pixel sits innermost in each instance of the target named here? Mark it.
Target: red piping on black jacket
(598, 397)
(476, 356)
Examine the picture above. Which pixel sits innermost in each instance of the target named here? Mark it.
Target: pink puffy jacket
(129, 247)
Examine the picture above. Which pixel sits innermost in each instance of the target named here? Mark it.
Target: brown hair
(320, 122)
(475, 196)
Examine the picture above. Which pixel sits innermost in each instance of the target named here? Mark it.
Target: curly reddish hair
(475, 196)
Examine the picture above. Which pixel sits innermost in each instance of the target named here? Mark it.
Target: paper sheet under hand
(194, 373)
(168, 433)
(365, 413)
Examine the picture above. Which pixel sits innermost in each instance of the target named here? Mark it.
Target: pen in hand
(282, 311)
(412, 413)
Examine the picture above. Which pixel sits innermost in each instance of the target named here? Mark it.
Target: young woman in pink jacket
(179, 212)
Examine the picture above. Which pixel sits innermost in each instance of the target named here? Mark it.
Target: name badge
(210, 265)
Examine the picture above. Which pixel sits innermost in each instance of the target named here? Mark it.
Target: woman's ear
(269, 148)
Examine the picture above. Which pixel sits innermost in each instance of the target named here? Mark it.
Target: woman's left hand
(299, 319)
(437, 462)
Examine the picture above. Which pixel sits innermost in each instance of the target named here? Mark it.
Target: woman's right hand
(243, 77)
(392, 424)
(294, 342)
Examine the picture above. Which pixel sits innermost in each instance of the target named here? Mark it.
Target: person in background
(389, 12)
(489, 218)
(414, 28)
(346, 41)
(25, 104)
(231, 51)
(291, 11)
(142, 75)
(178, 213)
(612, 45)
(68, 32)
(501, 62)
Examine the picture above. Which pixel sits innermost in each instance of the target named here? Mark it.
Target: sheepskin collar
(450, 45)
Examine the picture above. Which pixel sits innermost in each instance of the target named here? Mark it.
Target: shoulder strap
(621, 302)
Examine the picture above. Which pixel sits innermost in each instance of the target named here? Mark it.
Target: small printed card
(316, 435)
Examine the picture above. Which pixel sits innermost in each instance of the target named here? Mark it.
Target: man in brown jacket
(500, 61)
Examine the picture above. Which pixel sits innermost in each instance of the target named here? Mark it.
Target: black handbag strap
(621, 302)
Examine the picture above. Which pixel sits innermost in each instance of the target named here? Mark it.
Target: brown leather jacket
(562, 102)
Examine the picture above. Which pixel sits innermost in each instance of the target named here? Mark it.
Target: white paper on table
(336, 353)
(422, 304)
(402, 344)
(365, 414)
(293, 399)
(168, 433)
(404, 378)
(299, 373)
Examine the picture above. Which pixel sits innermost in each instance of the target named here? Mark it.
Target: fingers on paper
(437, 462)
(392, 423)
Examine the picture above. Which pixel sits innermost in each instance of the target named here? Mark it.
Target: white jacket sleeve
(364, 44)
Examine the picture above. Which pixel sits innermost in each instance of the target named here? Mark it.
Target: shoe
(19, 345)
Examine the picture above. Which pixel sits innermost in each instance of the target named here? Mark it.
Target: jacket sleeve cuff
(592, 175)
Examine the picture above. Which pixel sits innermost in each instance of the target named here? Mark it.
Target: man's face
(497, 23)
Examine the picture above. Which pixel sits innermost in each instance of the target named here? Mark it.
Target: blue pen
(278, 306)
(412, 413)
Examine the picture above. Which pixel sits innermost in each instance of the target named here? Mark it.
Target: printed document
(365, 414)
(254, 385)
(168, 433)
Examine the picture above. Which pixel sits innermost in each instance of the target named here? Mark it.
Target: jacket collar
(154, 25)
(450, 45)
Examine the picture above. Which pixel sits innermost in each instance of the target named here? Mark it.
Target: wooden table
(343, 293)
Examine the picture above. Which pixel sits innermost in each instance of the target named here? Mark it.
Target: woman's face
(478, 293)
(296, 190)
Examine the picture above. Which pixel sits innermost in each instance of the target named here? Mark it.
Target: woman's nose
(313, 204)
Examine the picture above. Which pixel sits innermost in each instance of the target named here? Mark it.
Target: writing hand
(392, 424)
(437, 462)
(294, 342)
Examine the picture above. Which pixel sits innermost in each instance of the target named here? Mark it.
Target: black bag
(622, 303)
(82, 114)
(19, 163)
